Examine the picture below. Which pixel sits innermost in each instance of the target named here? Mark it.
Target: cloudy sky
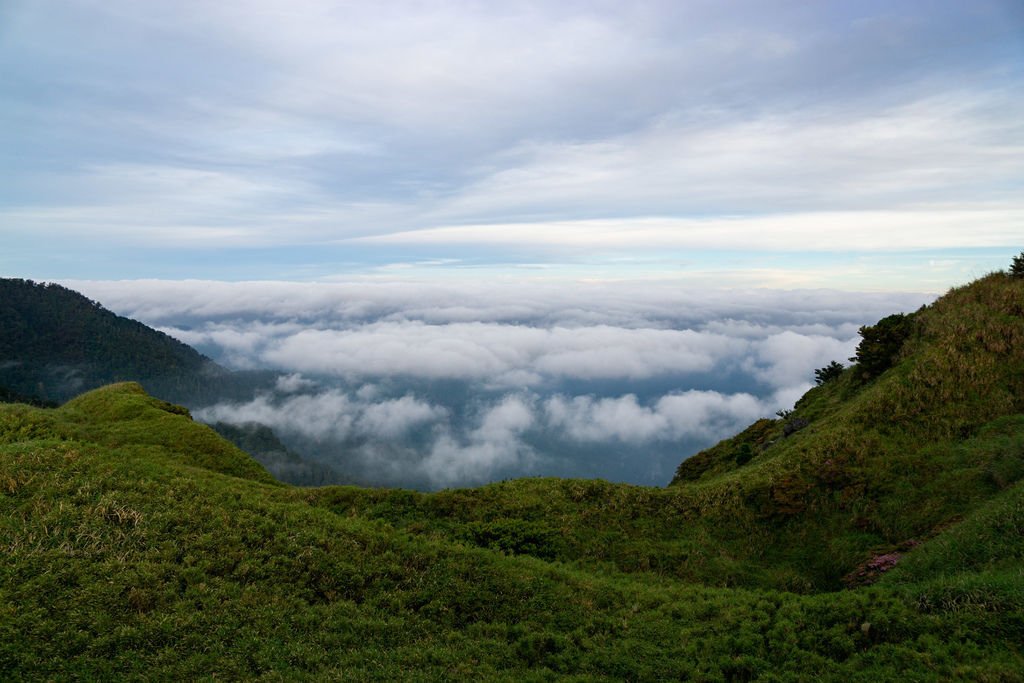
(856, 145)
(478, 239)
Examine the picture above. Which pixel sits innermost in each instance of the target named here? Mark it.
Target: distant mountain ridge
(259, 441)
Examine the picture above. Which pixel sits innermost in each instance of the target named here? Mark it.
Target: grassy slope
(879, 468)
(137, 543)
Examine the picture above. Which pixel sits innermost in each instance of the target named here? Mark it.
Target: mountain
(261, 443)
(9, 396)
(56, 343)
(876, 533)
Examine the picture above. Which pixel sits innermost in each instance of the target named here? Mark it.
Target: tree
(1017, 266)
(828, 373)
(881, 343)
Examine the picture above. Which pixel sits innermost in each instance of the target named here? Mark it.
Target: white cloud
(329, 415)
(585, 418)
(525, 336)
(700, 414)
(394, 418)
(499, 353)
(710, 414)
(377, 436)
(290, 384)
(475, 124)
(413, 380)
(274, 308)
(783, 360)
(494, 445)
(819, 160)
(949, 227)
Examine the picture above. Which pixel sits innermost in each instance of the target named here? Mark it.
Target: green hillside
(877, 533)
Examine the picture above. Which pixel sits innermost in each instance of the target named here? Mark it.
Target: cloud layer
(401, 384)
(409, 441)
(704, 414)
(508, 336)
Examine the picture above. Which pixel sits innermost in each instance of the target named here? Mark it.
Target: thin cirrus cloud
(991, 226)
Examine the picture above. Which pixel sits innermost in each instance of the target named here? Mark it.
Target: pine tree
(881, 343)
(828, 373)
(1017, 266)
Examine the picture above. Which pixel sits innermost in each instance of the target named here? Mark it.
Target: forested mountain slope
(56, 343)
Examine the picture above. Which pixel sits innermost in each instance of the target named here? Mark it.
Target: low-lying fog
(405, 384)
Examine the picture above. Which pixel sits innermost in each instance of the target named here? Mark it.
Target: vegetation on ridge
(877, 532)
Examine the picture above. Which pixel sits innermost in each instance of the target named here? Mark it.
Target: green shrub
(516, 537)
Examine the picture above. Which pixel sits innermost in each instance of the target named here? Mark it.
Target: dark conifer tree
(1017, 266)
(828, 373)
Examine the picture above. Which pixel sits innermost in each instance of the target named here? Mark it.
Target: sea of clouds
(430, 386)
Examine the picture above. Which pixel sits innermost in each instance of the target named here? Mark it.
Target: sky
(871, 146)
(478, 240)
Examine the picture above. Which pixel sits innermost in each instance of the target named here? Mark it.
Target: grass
(119, 565)
(136, 544)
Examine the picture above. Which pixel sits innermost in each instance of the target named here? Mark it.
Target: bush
(793, 426)
(516, 537)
